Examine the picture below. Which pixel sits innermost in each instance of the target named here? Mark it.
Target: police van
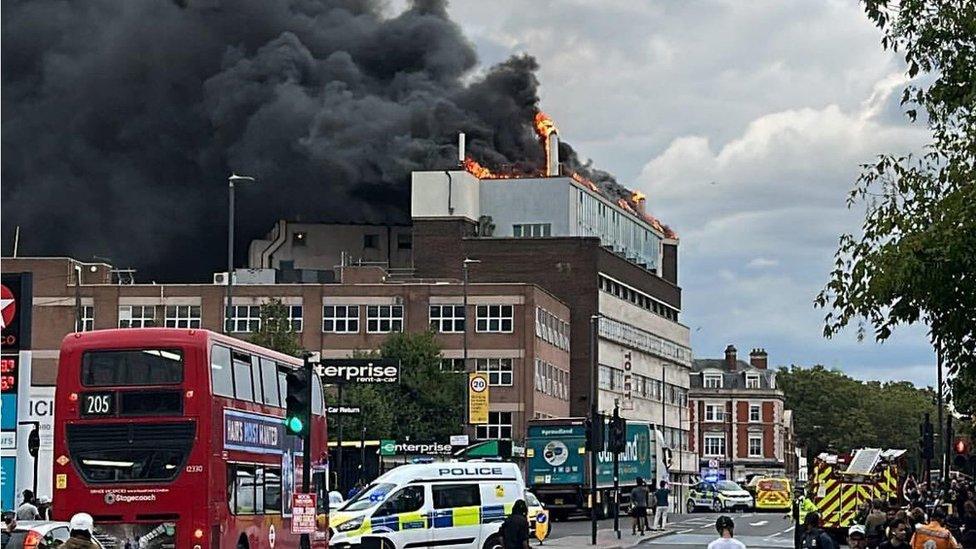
(444, 504)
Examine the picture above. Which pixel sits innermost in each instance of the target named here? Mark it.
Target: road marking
(685, 531)
(760, 523)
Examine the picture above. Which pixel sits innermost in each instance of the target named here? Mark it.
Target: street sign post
(303, 513)
(477, 398)
(541, 525)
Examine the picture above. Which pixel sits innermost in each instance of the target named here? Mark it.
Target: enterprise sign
(358, 370)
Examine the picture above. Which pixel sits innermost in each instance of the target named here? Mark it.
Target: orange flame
(475, 169)
(637, 196)
(544, 125)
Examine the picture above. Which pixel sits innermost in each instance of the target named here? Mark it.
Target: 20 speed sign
(479, 384)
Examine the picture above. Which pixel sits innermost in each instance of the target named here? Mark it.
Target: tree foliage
(834, 412)
(276, 331)
(915, 259)
(427, 404)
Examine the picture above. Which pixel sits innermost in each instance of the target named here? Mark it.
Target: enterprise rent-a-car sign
(358, 370)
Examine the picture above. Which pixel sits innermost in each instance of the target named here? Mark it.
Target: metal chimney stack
(552, 154)
(461, 151)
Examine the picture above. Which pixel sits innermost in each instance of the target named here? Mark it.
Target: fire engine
(841, 483)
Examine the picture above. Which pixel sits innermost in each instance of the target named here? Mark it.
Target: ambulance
(460, 504)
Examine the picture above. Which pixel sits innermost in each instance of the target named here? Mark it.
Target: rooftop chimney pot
(759, 359)
(730, 357)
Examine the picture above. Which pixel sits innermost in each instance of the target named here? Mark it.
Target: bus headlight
(350, 525)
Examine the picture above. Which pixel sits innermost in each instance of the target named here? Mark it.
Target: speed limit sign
(478, 398)
(478, 384)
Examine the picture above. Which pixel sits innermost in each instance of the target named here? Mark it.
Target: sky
(745, 124)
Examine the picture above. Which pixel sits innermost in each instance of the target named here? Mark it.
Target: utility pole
(943, 444)
(594, 418)
(306, 542)
(228, 310)
(618, 443)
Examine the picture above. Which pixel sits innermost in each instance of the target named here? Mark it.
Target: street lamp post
(230, 245)
(464, 289)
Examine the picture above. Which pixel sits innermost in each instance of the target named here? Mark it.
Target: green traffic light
(294, 424)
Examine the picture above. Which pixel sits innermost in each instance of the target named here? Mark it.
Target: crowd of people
(935, 516)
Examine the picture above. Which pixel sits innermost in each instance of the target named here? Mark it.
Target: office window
(752, 381)
(714, 445)
(499, 426)
(755, 446)
(182, 316)
(551, 328)
(371, 241)
(447, 319)
(381, 319)
(714, 412)
(494, 318)
(340, 319)
(87, 319)
(404, 241)
(452, 364)
(499, 370)
(137, 316)
(755, 412)
(245, 318)
(531, 230)
(712, 381)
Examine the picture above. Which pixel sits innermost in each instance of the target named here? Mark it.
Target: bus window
(272, 491)
(221, 375)
(258, 386)
(243, 385)
(282, 385)
(242, 478)
(316, 396)
(138, 367)
(269, 378)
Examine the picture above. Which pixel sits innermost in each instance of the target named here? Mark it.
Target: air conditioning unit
(220, 278)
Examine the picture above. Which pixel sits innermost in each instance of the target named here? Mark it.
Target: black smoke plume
(123, 118)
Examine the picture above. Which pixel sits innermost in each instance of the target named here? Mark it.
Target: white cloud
(745, 124)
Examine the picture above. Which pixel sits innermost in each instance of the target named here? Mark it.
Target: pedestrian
(814, 537)
(27, 509)
(968, 537)
(82, 526)
(898, 535)
(639, 497)
(515, 529)
(856, 539)
(918, 518)
(802, 505)
(9, 523)
(661, 512)
(44, 507)
(934, 535)
(726, 528)
(874, 524)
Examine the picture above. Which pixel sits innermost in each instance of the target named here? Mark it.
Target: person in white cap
(856, 537)
(82, 526)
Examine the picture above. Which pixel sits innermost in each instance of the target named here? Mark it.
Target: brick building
(738, 416)
(519, 333)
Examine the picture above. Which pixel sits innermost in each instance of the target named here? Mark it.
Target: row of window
(551, 380)
(675, 438)
(631, 336)
(638, 298)
(716, 412)
(236, 374)
(531, 230)
(337, 319)
(551, 328)
(499, 426)
(714, 380)
(499, 370)
(618, 231)
(612, 379)
(714, 445)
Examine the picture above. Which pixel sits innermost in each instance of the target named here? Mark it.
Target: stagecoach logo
(131, 496)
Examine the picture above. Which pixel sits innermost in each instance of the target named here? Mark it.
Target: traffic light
(298, 402)
(927, 444)
(595, 436)
(618, 433)
(961, 447)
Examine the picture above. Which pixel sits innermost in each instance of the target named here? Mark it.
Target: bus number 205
(97, 404)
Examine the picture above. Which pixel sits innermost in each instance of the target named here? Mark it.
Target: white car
(40, 534)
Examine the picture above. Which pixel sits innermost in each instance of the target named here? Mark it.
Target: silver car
(39, 534)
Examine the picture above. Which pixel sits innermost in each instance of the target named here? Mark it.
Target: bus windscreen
(132, 367)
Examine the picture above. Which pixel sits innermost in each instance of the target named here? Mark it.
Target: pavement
(754, 529)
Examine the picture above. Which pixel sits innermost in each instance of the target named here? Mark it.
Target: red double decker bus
(176, 438)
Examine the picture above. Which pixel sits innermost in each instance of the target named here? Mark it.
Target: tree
(915, 259)
(834, 412)
(276, 330)
(427, 404)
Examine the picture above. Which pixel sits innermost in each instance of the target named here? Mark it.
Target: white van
(447, 504)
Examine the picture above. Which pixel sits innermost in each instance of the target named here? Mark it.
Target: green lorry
(557, 465)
